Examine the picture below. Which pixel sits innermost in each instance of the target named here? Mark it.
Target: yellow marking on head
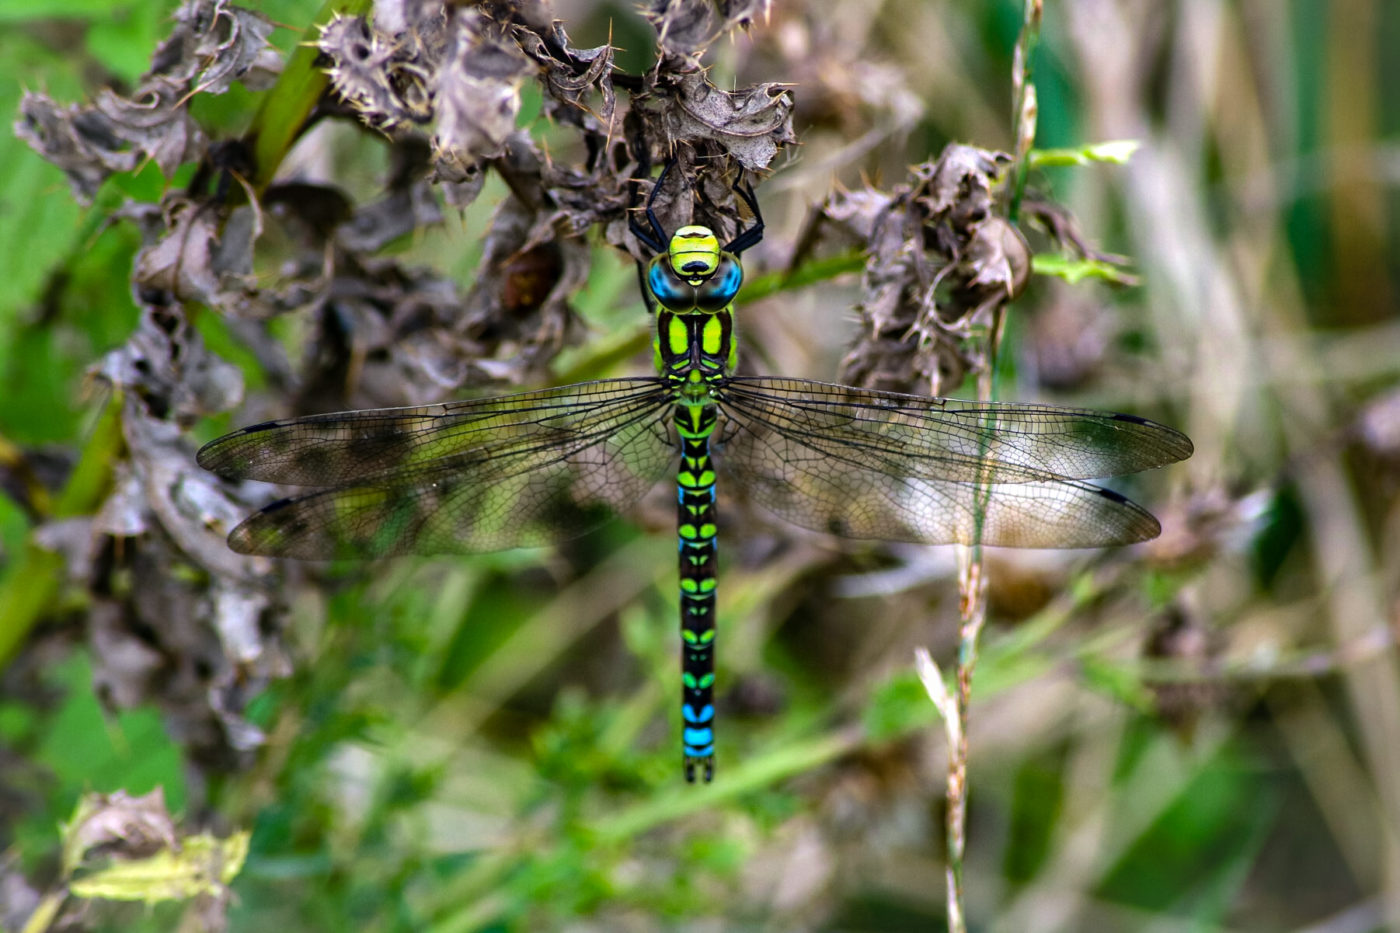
(694, 253)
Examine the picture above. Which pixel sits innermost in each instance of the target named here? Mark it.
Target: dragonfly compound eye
(719, 290)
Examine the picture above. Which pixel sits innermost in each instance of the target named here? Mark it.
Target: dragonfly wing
(881, 465)
(481, 475)
(358, 446)
(956, 439)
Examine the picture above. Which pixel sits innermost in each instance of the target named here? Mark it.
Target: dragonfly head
(694, 253)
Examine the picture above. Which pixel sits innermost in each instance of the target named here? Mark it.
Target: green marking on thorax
(711, 335)
(678, 336)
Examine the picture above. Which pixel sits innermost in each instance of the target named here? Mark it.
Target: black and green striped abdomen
(698, 550)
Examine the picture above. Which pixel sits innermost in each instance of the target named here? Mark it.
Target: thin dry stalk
(972, 580)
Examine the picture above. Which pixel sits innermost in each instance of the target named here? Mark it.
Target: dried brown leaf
(573, 78)
(477, 90)
(213, 44)
(387, 77)
(400, 212)
(686, 28)
(135, 826)
(748, 125)
(82, 144)
(165, 364)
(939, 257)
(539, 329)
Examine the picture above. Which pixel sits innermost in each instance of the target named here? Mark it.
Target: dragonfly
(535, 468)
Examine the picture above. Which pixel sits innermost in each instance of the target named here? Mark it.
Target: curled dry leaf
(136, 826)
(77, 140)
(462, 75)
(573, 78)
(748, 125)
(386, 77)
(524, 282)
(165, 366)
(686, 28)
(477, 90)
(197, 251)
(401, 211)
(213, 44)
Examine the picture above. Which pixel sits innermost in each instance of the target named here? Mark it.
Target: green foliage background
(483, 743)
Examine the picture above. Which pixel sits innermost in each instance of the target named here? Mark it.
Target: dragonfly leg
(655, 238)
(751, 236)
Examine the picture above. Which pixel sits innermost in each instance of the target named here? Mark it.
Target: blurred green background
(1199, 733)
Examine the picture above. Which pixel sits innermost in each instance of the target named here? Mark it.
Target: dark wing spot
(1112, 496)
(277, 506)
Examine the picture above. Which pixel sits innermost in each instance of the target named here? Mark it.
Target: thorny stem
(972, 581)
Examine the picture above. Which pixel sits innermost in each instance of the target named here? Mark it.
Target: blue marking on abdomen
(705, 715)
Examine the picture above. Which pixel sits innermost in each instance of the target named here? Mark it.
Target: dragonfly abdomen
(698, 550)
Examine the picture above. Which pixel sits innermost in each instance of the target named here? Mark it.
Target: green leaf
(1112, 679)
(1113, 152)
(898, 706)
(202, 864)
(1075, 269)
(287, 106)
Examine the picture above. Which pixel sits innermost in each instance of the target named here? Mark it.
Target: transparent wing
(479, 475)
(868, 464)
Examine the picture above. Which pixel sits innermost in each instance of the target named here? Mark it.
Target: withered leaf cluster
(458, 74)
(213, 44)
(941, 258)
